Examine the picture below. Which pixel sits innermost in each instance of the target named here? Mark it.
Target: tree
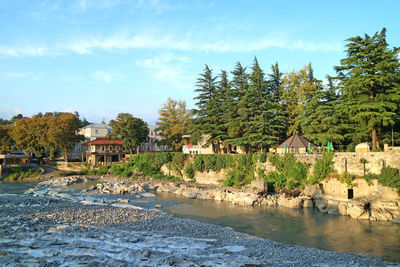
(296, 89)
(321, 119)
(63, 132)
(133, 131)
(207, 120)
(6, 142)
(173, 122)
(369, 80)
(263, 118)
(239, 86)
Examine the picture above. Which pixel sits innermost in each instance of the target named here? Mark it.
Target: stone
(321, 204)
(308, 203)
(121, 200)
(378, 214)
(354, 210)
(397, 221)
(294, 202)
(158, 206)
(342, 209)
(331, 209)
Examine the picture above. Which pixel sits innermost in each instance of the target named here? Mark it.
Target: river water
(303, 227)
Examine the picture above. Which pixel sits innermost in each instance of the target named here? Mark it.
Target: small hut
(296, 144)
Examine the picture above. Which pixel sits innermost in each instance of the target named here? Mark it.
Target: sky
(104, 57)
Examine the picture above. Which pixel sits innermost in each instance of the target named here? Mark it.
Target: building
(204, 147)
(90, 132)
(103, 151)
(296, 144)
(152, 142)
(15, 157)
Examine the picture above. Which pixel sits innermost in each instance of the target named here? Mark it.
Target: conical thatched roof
(296, 141)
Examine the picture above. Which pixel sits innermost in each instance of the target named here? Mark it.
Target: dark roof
(104, 141)
(296, 141)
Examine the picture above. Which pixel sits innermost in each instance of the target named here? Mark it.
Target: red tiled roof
(104, 141)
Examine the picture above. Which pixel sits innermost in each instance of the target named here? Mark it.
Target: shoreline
(61, 231)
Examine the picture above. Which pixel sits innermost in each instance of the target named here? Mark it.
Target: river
(303, 227)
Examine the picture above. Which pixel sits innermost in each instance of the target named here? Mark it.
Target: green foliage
(210, 162)
(378, 149)
(278, 179)
(347, 179)
(290, 173)
(133, 131)
(189, 171)
(263, 157)
(66, 173)
(322, 167)
(390, 177)
(17, 172)
(199, 163)
(178, 162)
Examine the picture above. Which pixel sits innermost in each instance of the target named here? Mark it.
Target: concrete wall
(350, 161)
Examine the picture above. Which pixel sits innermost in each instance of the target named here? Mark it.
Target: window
(96, 131)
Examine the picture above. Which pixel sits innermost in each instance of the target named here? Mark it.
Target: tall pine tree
(369, 80)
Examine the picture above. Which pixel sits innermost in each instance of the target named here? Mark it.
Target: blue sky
(103, 57)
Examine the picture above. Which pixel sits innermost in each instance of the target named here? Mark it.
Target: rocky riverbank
(369, 209)
(38, 229)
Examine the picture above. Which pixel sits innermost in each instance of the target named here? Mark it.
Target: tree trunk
(229, 149)
(375, 143)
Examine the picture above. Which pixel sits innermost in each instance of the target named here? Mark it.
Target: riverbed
(304, 227)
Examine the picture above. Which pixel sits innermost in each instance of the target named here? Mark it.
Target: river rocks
(158, 206)
(308, 203)
(65, 181)
(356, 210)
(342, 209)
(290, 202)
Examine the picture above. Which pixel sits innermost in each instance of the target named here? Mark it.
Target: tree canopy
(173, 122)
(133, 131)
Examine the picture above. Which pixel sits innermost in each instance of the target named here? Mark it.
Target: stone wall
(361, 189)
(350, 161)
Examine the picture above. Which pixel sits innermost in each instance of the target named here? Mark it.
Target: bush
(210, 162)
(390, 177)
(323, 167)
(347, 178)
(263, 157)
(378, 149)
(199, 163)
(189, 171)
(278, 180)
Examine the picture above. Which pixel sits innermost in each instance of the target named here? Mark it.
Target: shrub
(390, 177)
(210, 162)
(290, 184)
(263, 157)
(189, 171)
(323, 167)
(378, 149)
(347, 178)
(199, 163)
(178, 162)
(102, 170)
(278, 179)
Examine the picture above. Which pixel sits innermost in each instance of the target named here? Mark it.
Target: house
(296, 144)
(203, 147)
(90, 132)
(15, 157)
(152, 141)
(104, 151)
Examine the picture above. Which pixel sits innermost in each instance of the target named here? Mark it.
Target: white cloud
(24, 51)
(170, 69)
(20, 75)
(123, 42)
(106, 76)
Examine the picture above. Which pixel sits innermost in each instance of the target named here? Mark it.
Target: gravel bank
(45, 231)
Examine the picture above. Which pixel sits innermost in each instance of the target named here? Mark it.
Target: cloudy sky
(102, 57)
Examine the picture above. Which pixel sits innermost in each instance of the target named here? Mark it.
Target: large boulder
(290, 202)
